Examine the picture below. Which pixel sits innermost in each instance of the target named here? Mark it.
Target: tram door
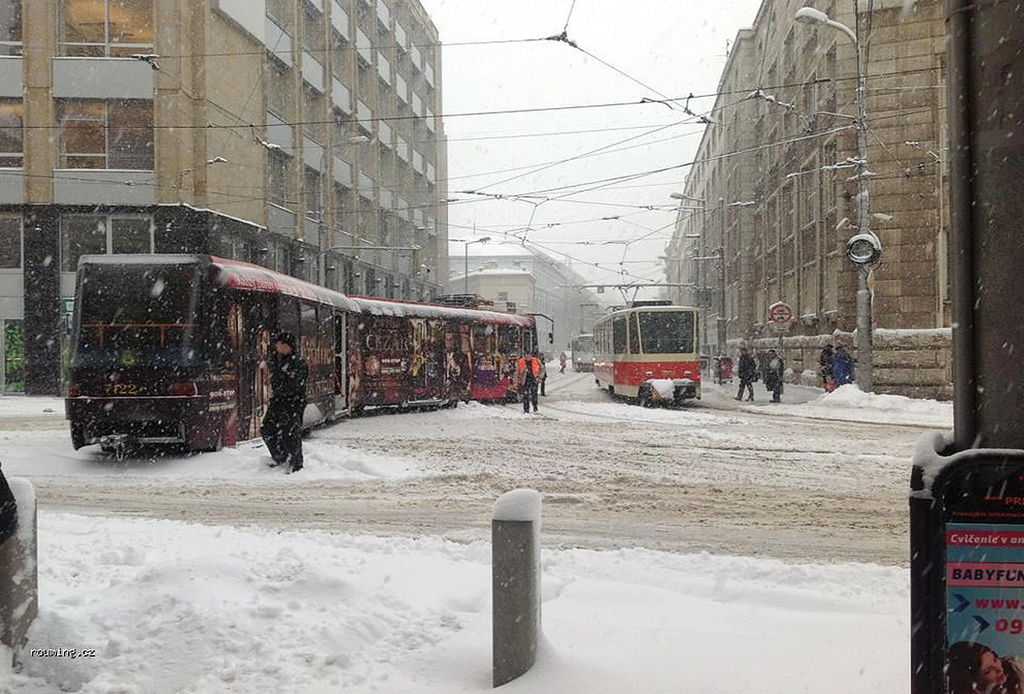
(340, 363)
(258, 327)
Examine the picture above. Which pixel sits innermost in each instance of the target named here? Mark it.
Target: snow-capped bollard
(515, 583)
(19, 576)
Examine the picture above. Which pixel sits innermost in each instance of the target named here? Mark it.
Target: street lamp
(863, 249)
(465, 249)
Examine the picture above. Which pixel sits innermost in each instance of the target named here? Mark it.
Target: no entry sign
(780, 312)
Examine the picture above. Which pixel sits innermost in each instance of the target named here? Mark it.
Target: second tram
(649, 354)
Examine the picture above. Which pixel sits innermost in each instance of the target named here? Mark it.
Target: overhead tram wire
(605, 184)
(608, 183)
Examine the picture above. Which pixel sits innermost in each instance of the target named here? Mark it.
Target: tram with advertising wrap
(174, 350)
(649, 354)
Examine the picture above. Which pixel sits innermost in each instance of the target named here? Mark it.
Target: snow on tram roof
(389, 307)
(258, 278)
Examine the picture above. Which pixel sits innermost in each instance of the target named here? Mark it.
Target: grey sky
(673, 48)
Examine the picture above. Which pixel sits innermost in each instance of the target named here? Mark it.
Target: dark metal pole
(721, 325)
(986, 118)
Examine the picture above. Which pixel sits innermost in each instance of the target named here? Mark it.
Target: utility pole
(722, 320)
(862, 249)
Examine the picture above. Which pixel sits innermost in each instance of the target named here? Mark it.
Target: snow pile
(163, 606)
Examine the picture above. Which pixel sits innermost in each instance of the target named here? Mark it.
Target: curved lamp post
(465, 249)
(864, 248)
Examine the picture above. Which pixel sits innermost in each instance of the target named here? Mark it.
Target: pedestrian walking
(842, 366)
(747, 374)
(825, 363)
(526, 379)
(543, 373)
(774, 368)
(561, 363)
(282, 425)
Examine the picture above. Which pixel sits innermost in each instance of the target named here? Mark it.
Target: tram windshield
(667, 332)
(583, 343)
(136, 315)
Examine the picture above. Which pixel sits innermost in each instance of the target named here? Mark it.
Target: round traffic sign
(780, 312)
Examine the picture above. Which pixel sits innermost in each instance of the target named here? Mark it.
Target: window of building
(278, 11)
(10, 243)
(102, 234)
(279, 98)
(10, 27)
(313, 122)
(277, 185)
(106, 28)
(312, 191)
(11, 133)
(341, 197)
(114, 134)
(313, 31)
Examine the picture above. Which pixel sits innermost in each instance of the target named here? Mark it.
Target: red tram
(649, 353)
(173, 349)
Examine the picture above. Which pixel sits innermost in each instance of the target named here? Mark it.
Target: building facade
(530, 282)
(302, 135)
(772, 197)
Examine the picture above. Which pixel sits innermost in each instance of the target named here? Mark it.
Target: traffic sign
(780, 312)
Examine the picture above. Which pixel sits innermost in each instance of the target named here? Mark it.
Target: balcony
(364, 115)
(279, 42)
(341, 97)
(383, 14)
(339, 20)
(364, 49)
(384, 134)
(402, 89)
(312, 72)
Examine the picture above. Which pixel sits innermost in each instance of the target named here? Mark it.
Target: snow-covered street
(739, 533)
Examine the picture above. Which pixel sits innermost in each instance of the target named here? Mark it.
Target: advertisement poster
(984, 579)
(426, 366)
(386, 357)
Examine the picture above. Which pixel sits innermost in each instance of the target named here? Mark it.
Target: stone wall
(914, 363)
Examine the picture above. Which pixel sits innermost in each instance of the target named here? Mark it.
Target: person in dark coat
(747, 374)
(282, 426)
(774, 367)
(842, 366)
(825, 364)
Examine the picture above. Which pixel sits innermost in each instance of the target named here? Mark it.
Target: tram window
(634, 334)
(619, 335)
(509, 341)
(137, 314)
(484, 339)
(667, 332)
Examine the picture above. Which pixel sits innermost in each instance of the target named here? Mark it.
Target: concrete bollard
(19, 575)
(515, 583)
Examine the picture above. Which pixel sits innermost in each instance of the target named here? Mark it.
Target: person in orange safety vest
(528, 370)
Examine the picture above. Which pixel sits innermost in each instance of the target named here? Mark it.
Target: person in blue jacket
(842, 366)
